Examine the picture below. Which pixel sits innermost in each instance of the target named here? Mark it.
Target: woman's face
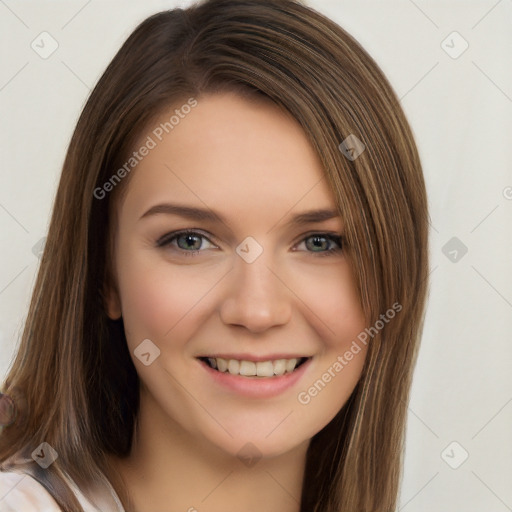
(257, 291)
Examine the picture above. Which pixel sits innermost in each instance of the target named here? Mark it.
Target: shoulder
(19, 491)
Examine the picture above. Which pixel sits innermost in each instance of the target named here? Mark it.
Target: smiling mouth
(271, 368)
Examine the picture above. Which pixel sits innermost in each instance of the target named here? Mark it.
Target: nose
(256, 297)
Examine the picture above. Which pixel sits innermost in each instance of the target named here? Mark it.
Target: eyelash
(165, 241)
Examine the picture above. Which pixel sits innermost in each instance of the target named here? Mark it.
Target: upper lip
(255, 358)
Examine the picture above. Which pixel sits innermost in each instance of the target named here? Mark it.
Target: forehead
(230, 154)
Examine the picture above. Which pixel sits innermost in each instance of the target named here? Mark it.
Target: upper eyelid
(174, 234)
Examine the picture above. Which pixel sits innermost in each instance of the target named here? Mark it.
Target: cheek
(332, 305)
(156, 297)
(338, 318)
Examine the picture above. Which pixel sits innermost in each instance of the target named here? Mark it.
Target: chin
(254, 445)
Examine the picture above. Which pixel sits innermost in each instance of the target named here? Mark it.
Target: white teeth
(279, 367)
(291, 364)
(252, 369)
(234, 367)
(222, 364)
(247, 368)
(264, 369)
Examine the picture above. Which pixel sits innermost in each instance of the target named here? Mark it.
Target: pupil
(188, 239)
(316, 240)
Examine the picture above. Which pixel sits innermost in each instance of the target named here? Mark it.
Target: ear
(112, 301)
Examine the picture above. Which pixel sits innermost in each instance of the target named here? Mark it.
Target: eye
(188, 242)
(321, 243)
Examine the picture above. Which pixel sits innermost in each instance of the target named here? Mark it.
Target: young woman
(231, 296)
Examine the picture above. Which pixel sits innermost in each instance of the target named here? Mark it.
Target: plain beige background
(459, 103)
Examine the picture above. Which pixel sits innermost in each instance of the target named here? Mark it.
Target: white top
(21, 492)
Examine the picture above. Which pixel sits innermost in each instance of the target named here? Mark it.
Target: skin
(252, 163)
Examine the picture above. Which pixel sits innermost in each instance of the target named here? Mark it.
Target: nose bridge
(256, 278)
(255, 298)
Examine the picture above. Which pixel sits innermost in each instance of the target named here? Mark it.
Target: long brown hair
(73, 381)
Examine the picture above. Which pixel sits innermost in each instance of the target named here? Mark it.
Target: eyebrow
(204, 214)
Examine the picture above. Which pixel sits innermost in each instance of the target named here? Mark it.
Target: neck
(170, 469)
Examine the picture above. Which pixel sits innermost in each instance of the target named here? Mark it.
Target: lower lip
(257, 387)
